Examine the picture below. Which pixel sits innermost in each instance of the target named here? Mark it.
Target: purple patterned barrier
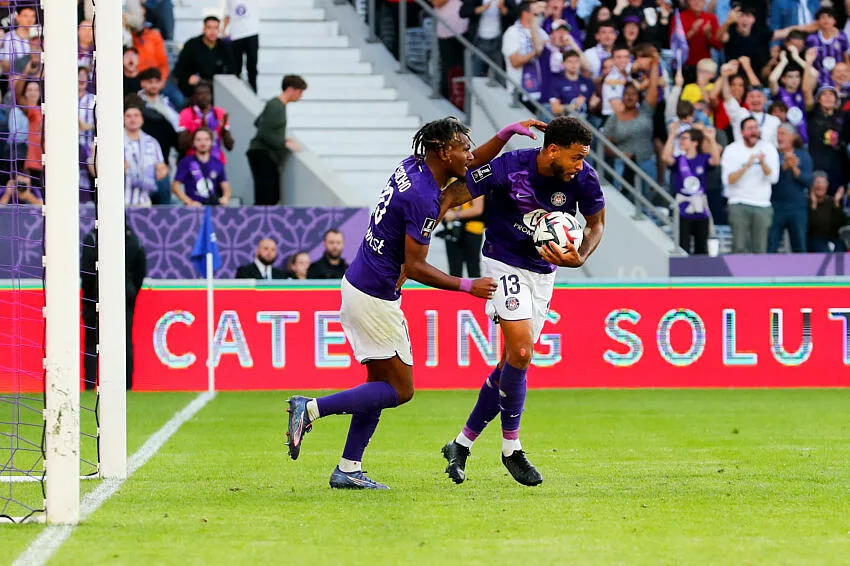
(761, 265)
(169, 232)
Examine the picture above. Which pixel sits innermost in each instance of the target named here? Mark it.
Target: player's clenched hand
(566, 258)
(483, 287)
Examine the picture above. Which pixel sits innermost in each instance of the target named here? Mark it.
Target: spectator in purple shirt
(571, 91)
(831, 43)
(200, 177)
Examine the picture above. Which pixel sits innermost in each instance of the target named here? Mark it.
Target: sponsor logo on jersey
(428, 227)
(482, 173)
(512, 303)
(559, 199)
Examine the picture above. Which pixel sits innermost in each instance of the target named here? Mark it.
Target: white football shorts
(375, 328)
(520, 294)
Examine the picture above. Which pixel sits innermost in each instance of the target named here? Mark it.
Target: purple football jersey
(830, 52)
(408, 206)
(201, 180)
(519, 197)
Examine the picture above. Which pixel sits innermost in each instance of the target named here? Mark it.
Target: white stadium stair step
(330, 147)
(217, 4)
(318, 56)
(402, 137)
(303, 41)
(326, 94)
(306, 68)
(366, 185)
(341, 82)
(376, 164)
(184, 29)
(363, 122)
(375, 109)
(267, 13)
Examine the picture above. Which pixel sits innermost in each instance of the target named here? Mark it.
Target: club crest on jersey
(428, 227)
(482, 173)
(512, 303)
(559, 199)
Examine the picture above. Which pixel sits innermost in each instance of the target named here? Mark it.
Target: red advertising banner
(672, 335)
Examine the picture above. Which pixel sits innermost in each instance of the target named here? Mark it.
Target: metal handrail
(598, 156)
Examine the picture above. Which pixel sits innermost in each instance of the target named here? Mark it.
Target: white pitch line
(52, 537)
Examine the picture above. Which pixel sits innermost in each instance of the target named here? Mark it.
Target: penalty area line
(52, 537)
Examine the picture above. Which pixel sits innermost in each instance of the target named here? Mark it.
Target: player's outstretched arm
(487, 152)
(417, 268)
(576, 257)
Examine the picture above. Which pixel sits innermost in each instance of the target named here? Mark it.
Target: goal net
(52, 264)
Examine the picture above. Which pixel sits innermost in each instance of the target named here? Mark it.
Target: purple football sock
(486, 408)
(512, 389)
(360, 431)
(366, 398)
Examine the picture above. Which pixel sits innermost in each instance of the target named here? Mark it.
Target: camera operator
(463, 229)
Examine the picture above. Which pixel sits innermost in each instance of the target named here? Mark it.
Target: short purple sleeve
(590, 201)
(183, 174)
(486, 178)
(420, 218)
(812, 40)
(222, 173)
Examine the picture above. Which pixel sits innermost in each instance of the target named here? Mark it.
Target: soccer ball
(559, 228)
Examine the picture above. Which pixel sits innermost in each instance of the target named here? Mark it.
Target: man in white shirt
(606, 35)
(755, 101)
(242, 25)
(522, 44)
(615, 83)
(748, 169)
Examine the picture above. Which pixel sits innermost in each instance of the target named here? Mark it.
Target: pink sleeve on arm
(187, 121)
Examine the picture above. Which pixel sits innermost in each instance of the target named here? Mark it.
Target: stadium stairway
(351, 117)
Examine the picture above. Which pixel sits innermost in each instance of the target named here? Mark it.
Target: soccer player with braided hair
(395, 247)
(524, 185)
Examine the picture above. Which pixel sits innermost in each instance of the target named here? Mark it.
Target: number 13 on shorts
(520, 294)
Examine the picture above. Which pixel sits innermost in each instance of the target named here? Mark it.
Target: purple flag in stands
(678, 41)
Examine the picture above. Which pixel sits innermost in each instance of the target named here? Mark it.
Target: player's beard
(265, 261)
(560, 172)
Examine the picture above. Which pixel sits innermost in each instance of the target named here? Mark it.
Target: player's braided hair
(437, 135)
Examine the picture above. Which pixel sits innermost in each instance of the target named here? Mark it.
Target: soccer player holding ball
(525, 187)
(395, 247)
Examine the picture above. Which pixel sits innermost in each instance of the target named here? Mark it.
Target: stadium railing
(668, 220)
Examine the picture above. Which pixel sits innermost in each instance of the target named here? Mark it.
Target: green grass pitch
(631, 477)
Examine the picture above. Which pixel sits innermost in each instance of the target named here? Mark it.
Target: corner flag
(206, 244)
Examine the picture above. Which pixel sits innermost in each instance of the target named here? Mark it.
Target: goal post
(110, 242)
(62, 264)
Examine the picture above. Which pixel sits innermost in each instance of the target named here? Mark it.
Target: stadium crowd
(782, 63)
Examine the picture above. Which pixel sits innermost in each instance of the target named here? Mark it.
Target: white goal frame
(62, 254)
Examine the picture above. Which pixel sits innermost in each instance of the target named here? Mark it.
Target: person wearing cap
(749, 168)
(754, 101)
(788, 194)
(831, 44)
(824, 125)
(562, 10)
(552, 56)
